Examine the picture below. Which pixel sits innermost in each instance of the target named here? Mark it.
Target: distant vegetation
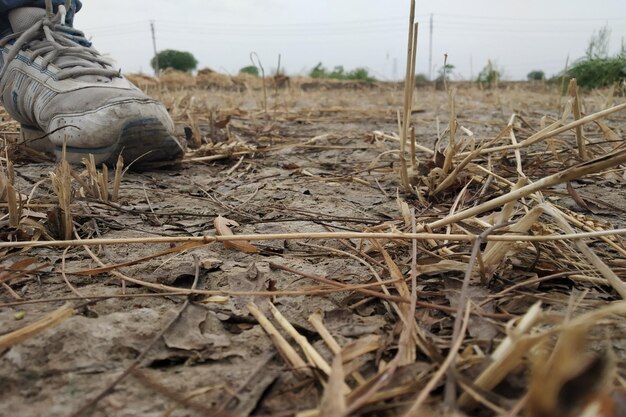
(598, 47)
(489, 75)
(597, 68)
(251, 70)
(339, 73)
(178, 60)
(597, 73)
(421, 79)
(444, 73)
(536, 75)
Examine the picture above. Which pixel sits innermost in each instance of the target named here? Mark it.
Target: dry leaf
(19, 269)
(222, 226)
(439, 159)
(187, 334)
(255, 278)
(220, 124)
(576, 197)
(210, 263)
(405, 210)
(609, 134)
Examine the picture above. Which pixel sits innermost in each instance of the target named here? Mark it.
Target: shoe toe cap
(133, 127)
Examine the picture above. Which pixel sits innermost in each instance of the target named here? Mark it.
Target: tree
(251, 70)
(178, 60)
(444, 73)
(536, 75)
(318, 72)
(421, 79)
(489, 74)
(339, 73)
(360, 74)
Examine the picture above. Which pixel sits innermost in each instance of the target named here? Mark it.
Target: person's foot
(63, 91)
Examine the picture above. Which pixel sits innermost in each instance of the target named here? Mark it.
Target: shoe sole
(143, 143)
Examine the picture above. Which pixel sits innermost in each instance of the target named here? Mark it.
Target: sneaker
(62, 91)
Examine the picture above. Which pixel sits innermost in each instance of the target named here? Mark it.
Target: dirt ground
(311, 164)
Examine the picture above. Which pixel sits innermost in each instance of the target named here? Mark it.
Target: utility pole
(430, 50)
(154, 46)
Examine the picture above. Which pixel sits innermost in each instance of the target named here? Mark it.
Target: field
(297, 262)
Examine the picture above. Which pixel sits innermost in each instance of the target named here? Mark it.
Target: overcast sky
(517, 35)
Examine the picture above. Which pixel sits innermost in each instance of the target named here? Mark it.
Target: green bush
(489, 75)
(599, 72)
(444, 73)
(178, 60)
(360, 74)
(536, 75)
(251, 70)
(318, 72)
(421, 79)
(339, 73)
(597, 69)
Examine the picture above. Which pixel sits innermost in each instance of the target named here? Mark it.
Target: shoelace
(52, 39)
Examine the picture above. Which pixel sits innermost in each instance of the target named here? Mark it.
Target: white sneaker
(62, 90)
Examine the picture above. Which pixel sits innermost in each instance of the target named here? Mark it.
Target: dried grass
(487, 236)
(207, 78)
(175, 80)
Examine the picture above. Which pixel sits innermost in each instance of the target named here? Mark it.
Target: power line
(441, 29)
(534, 26)
(533, 19)
(261, 30)
(209, 31)
(119, 25)
(117, 32)
(265, 29)
(340, 24)
(400, 19)
(446, 21)
(451, 28)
